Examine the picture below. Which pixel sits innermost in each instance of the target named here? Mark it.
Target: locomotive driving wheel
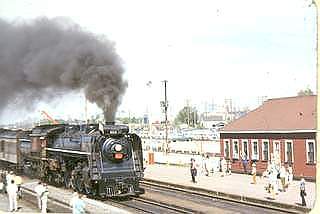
(68, 182)
(49, 178)
(79, 184)
(71, 180)
(87, 188)
(72, 183)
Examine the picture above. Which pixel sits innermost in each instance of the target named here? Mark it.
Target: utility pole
(149, 84)
(164, 104)
(188, 109)
(86, 110)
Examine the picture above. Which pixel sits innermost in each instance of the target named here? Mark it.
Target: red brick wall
(300, 165)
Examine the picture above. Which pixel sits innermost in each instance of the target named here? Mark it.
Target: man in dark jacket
(303, 192)
(244, 162)
(193, 170)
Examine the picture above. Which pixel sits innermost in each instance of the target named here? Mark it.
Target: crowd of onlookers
(11, 185)
(279, 177)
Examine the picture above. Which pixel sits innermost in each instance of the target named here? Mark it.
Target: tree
(188, 115)
(305, 92)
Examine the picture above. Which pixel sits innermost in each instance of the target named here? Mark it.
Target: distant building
(218, 120)
(211, 120)
(281, 127)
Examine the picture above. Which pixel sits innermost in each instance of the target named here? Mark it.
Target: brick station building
(282, 127)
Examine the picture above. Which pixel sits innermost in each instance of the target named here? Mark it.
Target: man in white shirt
(9, 177)
(207, 165)
(12, 191)
(44, 198)
(224, 167)
(283, 175)
(39, 190)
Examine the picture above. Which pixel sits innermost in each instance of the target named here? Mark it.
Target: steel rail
(215, 195)
(155, 205)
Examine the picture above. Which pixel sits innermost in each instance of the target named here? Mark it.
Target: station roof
(289, 114)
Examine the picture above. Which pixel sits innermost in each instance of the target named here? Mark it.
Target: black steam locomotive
(101, 160)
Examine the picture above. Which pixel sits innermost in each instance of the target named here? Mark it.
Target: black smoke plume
(42, 58)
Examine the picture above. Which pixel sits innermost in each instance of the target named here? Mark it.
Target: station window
(245, 149)
(310, 149)
(226, 149)
(277, 150)
(235, 149)
(289, 151)
(255, 150)
(265, 150)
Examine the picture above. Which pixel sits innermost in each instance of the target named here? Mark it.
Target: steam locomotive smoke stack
(109, 113)
(43, 58)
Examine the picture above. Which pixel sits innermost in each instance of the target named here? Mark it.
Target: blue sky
(207, 50)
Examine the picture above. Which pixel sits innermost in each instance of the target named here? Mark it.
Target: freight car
(101, 160)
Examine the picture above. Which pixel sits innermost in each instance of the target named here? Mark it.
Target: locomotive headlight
(118, 147)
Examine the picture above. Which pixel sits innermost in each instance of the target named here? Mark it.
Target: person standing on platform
(254, 173)
(244, 162)
(12, 191)
(283, 175)
(203, 165)
(193, 170)
(207, 165)
(290, 174)
(18, 182)
(44, 198)
(39, 189)
(223, 167)
(274, 177)
(303, 192)
(229, 167)
(4, 180)
(9, 177)
(269, 176)
(274, 185)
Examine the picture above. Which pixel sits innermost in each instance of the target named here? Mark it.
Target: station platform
(23, 206)
(235, 184)
(63, 196)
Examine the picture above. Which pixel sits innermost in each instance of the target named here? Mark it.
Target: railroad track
(146, 205)
(206, 202)
(161, 197)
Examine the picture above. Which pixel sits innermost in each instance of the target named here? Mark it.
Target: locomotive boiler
(100, 160)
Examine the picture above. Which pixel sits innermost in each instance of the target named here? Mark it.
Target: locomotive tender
(101, 160)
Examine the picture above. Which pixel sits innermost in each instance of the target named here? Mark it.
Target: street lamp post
(164, 105)
(149, 83)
